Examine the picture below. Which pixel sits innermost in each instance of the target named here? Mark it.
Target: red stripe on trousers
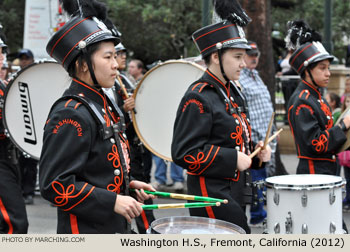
(205, 194)
(74, 224)
(6, 217)
(311, 167)
(144, 219)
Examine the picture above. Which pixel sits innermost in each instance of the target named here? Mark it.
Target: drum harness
(105, 131)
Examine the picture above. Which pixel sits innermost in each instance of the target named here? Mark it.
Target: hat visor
(253, 51)
(238, 46)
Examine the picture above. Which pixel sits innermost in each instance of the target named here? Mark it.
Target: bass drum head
(28, 100)
(157, 98)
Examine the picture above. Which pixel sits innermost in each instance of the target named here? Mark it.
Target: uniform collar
(208, 75)
(311, 88)
(80, 88)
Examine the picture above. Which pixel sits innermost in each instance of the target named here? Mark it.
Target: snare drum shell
(284, 201)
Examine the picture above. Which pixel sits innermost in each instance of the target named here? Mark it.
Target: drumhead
(194, 225)
(157, 98)
(28, 100)
(304, 181)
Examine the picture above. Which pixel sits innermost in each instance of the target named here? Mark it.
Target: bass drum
(157, 98)
(27, 103)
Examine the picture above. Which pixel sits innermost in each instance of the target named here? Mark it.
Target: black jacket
(317, 140)
(81, 171)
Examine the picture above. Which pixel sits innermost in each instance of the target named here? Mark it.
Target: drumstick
(178, 205)
(267, 134)
(270, 139)
(122, 86)
(184, 196)
(124, 89)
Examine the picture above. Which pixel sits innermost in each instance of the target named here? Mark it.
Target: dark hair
(90, 50)
(336, 98)
(310, 67)
(139, 63)
(208, 57)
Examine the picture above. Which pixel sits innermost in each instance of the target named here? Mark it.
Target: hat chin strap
(221, 66)
(91, 70)
(312, 78)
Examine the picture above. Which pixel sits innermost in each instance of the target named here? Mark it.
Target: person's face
(24, 61)
(2, 73)
(251, 61)
(132, 69)
(121, 58)
(347, 101)
(105, 64)
(233, 62)
(320, 73)
(347, 86)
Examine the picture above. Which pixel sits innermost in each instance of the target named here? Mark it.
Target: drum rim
(6, 128)
(308, 187)
(137, 130)
(198, 220)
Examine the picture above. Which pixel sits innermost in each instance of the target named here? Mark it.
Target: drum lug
(304, 199)
(276, 198)
(6, 132)
(26, 155)
(332, 227)
(277, 228)
(289, 224)
(332, 197)
(304, 229)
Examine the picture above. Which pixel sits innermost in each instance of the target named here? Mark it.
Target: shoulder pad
(199, 86)
(304, 94)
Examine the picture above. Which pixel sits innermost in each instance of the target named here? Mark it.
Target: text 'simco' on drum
(28, 100)
(304, 204)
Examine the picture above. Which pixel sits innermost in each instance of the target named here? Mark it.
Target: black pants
(13, 215)
(217, 188)
(29, 172)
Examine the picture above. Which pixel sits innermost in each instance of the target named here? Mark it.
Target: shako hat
(227, 33)
(307, 45)
(84, 29)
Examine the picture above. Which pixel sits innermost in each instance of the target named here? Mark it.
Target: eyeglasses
(122, 53)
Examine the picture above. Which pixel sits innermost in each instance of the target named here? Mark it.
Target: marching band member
(316, 138)
(84, 162)
(212, 134)
(13, 215)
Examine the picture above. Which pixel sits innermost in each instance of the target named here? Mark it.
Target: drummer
(84, 162)
(212, 135)
(13, 215)
(316, 138)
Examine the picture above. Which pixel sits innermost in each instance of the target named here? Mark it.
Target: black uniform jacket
(80, 171)
(207, 136)
(316, 138)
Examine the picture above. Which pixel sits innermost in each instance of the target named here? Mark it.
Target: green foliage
(157, 29)
(12, 20)
(312, 11)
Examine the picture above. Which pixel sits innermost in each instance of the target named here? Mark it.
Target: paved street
(42, 216)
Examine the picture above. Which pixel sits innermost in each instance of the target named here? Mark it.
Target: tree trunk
(259, 30)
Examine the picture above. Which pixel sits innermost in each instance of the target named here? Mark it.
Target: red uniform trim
(223, 41)
(311, 167)
(53, 48)
(205, 194)
(296, 56)
(6, 217)
(144, 219)
(74, 224)
(214, 31)
(65, 105)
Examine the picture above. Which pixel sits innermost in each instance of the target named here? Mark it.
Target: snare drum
(28, 100)
(193, 225)
(157, 98)
(304, 204)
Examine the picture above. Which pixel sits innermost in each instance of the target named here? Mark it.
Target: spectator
(260, 111)
(136, 69)
(26, 58)
(347, 89)
(334, 102)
